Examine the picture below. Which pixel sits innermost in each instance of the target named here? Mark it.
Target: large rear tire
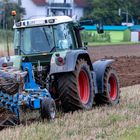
(111, 93)
(76, 88)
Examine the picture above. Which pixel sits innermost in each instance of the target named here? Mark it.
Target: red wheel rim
(83, 86)
(113, 87)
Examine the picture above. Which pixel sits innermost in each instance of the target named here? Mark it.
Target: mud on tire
(76, 88)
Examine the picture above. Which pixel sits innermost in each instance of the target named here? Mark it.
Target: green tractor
(61, 64)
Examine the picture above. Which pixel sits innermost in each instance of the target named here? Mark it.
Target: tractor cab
(45, 35)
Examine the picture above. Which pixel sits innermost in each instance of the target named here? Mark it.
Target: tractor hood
(14, 61)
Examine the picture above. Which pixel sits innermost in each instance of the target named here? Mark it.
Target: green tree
(103, 10)
(134, 10)
(107, 10)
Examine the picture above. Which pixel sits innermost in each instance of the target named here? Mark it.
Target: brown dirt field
(127, 61)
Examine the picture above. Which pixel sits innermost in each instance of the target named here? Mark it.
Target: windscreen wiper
(52, 49)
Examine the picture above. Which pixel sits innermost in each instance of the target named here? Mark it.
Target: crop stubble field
(114, 123)
(101, 123)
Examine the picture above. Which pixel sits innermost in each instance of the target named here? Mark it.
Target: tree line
(109, 12)
(113, 12)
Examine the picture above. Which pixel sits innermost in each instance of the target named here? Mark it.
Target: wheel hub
(83, 86)
(52, 112)
(112, 87)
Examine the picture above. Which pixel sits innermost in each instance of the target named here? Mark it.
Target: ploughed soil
(127, 61)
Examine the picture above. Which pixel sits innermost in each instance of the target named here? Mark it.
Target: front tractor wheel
(111, 93)
(48, 109)
(76, 88)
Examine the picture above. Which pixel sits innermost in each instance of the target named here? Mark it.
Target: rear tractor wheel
(76, 88)
(111, 93)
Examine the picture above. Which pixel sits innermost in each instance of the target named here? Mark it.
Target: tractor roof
(41, 21)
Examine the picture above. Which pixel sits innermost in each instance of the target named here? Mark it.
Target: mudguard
(99, 68)
(70, 57)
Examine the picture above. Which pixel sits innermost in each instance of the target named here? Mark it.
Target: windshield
(43, 39)
(34, 40)
(63, 36)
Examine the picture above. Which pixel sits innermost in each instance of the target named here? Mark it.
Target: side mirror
(99, 28)
(85, 45)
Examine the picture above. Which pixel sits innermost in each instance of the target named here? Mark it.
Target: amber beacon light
(13, 13)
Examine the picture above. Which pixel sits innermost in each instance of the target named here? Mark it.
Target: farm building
(111, 34)
(135, 33)
(54, 7)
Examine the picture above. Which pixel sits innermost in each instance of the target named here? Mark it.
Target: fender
(99, 68)
(70, 57)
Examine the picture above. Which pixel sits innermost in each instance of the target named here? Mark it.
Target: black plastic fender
(70, 57)
(99, 68)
